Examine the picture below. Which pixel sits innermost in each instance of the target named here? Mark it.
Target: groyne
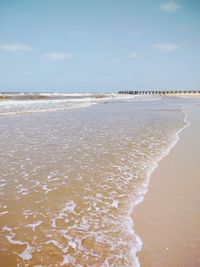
(160, 92)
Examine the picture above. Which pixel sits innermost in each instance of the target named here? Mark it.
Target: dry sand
(168, 220)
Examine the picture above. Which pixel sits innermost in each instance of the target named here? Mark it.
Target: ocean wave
(15, 107)
(29, 106)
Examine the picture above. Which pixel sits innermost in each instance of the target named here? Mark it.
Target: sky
(99, 45)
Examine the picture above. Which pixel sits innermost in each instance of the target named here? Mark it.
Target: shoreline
(151, 171)
(160, 209)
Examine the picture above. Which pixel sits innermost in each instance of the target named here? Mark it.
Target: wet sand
(168, 220)
(70, 178)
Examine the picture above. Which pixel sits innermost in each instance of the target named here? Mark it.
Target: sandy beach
(168, 220)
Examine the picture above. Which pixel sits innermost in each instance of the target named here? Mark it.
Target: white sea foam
(66, 260)
(15, 242)
(23, 191)
(53, 222)
(59, 245)
(17, 107)
(97, 215)
(115, 204)
(3, 213)
(138, 246)
(69, 206)
(28, 213)
(34, 225)
(6, 228)
(2, 185)
(27, 253)
(46, 189)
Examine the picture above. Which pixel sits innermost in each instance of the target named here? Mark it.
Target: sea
(72, 169)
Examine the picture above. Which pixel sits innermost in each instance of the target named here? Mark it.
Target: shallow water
(70, 178)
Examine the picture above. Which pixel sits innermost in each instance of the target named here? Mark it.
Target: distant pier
(163, 92)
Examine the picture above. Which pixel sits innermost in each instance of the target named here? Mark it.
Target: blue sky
(99, 45)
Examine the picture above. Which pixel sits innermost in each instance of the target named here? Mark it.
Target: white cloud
(166, 47)
(58, 56)
(15, 47)
(170, 6)
(134, 56)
